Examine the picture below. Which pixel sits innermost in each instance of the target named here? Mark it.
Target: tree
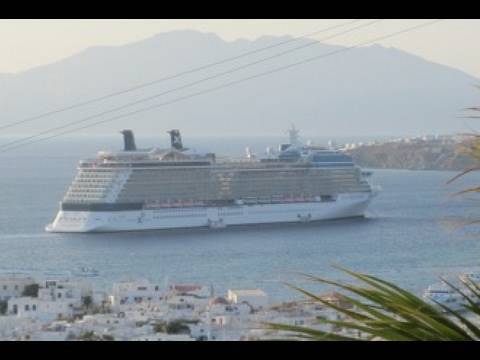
(87, 336)
(92, 336)
(3, 307)
(31, 290)
(107, 337)
(87, 301)
(160, 327)
(178, 326)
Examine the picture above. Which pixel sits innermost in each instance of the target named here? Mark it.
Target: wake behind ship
(137, 189)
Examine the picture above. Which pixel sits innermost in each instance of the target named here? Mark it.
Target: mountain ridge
(370, 90)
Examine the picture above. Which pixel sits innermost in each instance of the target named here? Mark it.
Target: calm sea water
(406, 237)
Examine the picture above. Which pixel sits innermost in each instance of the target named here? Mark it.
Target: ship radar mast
(293, 134)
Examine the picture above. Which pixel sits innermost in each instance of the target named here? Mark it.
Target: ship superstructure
(139, 189)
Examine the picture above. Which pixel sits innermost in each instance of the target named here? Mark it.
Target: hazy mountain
(368, 91)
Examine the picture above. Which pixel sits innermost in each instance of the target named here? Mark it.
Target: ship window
(327, 198)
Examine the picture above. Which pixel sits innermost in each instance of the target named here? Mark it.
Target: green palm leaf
(384, 311)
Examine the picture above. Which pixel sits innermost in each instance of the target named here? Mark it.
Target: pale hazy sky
(28, 43)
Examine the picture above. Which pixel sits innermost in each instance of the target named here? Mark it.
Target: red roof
(186, 288)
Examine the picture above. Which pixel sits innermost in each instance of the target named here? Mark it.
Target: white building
(257, 298)
(163, 337)
(60, 290)
(14, 328)
(188, 297)
(101, 299)
(221, 307)
(135, 292)
(41, 309)
(56, 300)
(13, 286)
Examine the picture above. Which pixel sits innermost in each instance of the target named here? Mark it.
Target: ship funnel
(176, 139)
(128, 140)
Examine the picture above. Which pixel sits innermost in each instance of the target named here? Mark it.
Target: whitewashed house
(105, 320)
(136, 292)
(13, 286)
(235, 329)
(100, 299)
(200, 331)
(12, 327)
(257, 298)
(45, 310)
(220, 306)
(59, 291)
(223, 320)
(187, 303)
(56, 300)
(163, 337)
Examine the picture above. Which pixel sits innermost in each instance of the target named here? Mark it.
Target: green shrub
(91, 336)
(31, 290)
(87, 301)
(160, 327)
(3, 307)
(177, 327)
(174, 327)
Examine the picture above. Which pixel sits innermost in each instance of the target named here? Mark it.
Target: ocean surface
(408, 235)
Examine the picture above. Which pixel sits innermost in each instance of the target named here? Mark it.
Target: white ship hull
(345, 206)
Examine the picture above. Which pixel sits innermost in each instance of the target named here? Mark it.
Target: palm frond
(475, 189)
(463, 173)
(382, 310)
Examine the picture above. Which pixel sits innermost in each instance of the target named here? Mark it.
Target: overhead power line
(171, 77)
(278, 69)
(208, 78)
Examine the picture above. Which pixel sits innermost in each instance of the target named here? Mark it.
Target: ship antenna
(293, 134)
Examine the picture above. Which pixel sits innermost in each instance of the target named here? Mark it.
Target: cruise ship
(145, 189)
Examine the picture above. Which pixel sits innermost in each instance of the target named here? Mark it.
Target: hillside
(417, 155)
